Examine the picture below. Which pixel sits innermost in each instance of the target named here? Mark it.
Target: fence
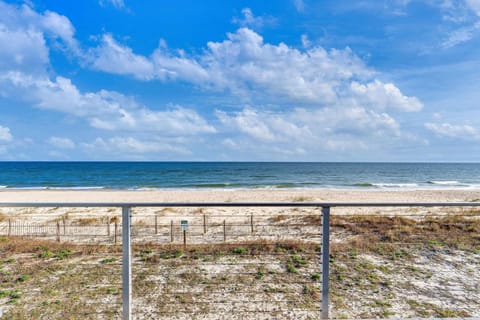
(189, 261)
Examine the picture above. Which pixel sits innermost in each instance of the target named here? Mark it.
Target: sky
(284, 80)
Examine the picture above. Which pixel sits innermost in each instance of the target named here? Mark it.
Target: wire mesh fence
(164, 226)
(191, 263)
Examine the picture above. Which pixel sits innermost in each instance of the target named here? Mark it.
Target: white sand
(316, 195)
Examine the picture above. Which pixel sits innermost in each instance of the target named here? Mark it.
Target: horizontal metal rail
(238, 204)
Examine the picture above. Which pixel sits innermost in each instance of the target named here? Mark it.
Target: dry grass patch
(380, 262)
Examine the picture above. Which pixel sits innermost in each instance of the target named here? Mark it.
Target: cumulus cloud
(22, 49)
(343, 104)
(465, 131)
(322, 129)
(24, 33)
(107, 110)
(61, 143)
(5, 135)
(112, 57)
(248, 67)
(24, 75)
(252, 123)
(383, 96)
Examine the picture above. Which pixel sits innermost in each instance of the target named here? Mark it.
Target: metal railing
(126, 230)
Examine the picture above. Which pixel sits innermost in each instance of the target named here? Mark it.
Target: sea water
(238, 175)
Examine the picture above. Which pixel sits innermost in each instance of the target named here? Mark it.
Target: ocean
(238, 175)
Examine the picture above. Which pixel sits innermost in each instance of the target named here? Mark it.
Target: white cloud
(176, 66)
(251, 69)
(474, 5)
(356, 123)
(129, 146)
(382, 96)
(463, 17)
(25, 76)
(5, 139)
(229, 143)
(245, 65)
(5, 135)
(305, 41)
(104, 109)
(24, 33)
(251, 21)
(61, 143)
(59, 26)
(343, 103)
(323, 129)
(249, 122)
(465, 131)
(22, 50)
(114, 58)
(461, 35)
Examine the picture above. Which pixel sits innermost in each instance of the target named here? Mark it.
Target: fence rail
(129, 227)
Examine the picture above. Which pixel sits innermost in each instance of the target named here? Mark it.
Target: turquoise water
(237, 175)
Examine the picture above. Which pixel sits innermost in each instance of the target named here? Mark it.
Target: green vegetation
(239, 250)
(63, 254)
(108, 260)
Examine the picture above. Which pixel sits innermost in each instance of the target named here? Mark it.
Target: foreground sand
(317, 195)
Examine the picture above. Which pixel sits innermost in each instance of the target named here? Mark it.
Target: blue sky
(286, 80)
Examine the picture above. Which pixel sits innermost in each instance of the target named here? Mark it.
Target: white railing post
(325, 259)
(127, 264)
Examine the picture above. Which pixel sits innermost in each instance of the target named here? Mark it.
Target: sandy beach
(295, 195)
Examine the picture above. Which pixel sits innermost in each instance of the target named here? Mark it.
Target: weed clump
(63, 254)
(239, 251)
(108, 260)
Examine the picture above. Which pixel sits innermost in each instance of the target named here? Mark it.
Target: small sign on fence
(184, 224)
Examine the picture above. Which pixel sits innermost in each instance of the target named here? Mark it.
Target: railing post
(224, 231)
(116, 232)
(204, 224)
(184, 240)
(126, 265)
(58, 231)
(251, 223)
(325, 259)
